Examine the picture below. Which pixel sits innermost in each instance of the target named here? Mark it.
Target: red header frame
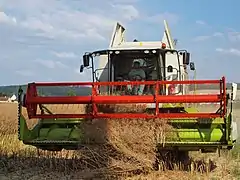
(32, 100)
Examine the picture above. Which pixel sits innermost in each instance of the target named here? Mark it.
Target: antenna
(175, 41)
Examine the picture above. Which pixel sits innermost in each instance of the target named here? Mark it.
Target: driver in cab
(137, 74)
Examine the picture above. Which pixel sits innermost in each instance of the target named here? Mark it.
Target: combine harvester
(164, 88)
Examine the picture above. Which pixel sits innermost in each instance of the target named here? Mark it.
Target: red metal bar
(94, 94)
(156, 100)
(160, 115)
(59, 100)
(125, 83)
(188, 98)
(221, 92)
(128, 115)
(31, 107)
(224, 96)
(124, 99)
(62, 84)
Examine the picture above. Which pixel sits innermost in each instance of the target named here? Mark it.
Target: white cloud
(234, 36)
(218, 34)
(58, 19)
(125, 1)
(64, 27)
(4, 18)
(200, 22)
(24, 72)
(203, 24)
(51, 64)
(65, 54)
(219, 49)
(201, 38)
(231, 51)
(170, 17)
(36, 24)
(128, 12)
(206, 37)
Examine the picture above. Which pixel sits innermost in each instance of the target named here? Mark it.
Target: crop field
(129, 154)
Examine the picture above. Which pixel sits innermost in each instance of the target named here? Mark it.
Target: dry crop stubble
(128, 150)
(130, 142)
(127, 147)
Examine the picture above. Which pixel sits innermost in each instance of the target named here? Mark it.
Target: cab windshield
(137, 65)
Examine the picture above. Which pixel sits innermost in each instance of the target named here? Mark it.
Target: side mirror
(86, 60)
(234, 91)
(186, 58)
(192, 66)
(81, 68)
(169, 69)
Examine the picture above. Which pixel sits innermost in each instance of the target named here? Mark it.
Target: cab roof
(138, 45)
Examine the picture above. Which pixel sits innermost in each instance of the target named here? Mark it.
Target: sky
(44, 40)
